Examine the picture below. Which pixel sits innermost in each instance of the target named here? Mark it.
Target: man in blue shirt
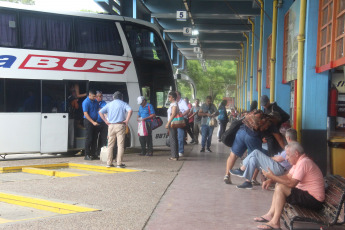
(146, 113)
(102, 129)
(90, 109)
(117, 123)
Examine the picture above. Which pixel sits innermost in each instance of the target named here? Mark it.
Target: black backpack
(229, 135)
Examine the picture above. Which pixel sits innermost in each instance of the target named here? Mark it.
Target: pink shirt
(309, 176)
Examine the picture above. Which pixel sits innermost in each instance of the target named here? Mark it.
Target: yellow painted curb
(3, 221)
(100, 168)
(41, 204)
(50, 172)
(19, 168)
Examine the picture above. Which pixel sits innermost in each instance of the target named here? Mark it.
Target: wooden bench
(328, 215)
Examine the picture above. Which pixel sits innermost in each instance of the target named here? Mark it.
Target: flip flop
(260, 219)
(267, 227)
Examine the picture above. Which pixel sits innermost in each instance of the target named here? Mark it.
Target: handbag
(142, 130)
(167, 142)
(178, 122)
(156, 122)
(229, 135)
(212, 122)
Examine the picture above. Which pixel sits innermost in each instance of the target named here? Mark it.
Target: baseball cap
(264, 100)
(140, 99)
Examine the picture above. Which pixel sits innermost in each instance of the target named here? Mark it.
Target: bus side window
(2, 95)
(53, 97)
(23, 95)
(8, 28)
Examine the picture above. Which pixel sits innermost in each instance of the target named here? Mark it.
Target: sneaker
(202, 150)
(110, 166)
(208, 150)
(245, 185)
(121, 166)
(149, 154)
(255, 183)
(142, 154)
(227, 179)
(237, 172)
(192, 141)
(180, 154)
(173, 159)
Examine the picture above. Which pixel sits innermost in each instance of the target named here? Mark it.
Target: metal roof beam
(211, 31)
(206, 41)
(205, 16)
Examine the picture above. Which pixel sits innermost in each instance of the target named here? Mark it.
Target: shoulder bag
(178, 121)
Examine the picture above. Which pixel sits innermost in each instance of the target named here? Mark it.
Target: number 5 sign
(181, 15)
(193, 41)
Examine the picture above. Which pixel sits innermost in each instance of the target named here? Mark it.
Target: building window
(285, 48)
(331, 36)
(268, 66)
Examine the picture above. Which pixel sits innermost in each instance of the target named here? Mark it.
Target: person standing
(117, 123)
(197, 121)
(223, 119)
(207, 111)
(183, 108)
(146, 113)
(172, 112)
(90, 109)
(189, 122)
(102, 128)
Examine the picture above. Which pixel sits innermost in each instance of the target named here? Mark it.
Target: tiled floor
(199, 199)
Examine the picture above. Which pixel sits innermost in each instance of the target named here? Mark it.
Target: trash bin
(337, 147)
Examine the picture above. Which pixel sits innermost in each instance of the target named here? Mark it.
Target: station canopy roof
(220, 24)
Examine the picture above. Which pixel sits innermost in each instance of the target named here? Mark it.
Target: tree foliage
(214, 81)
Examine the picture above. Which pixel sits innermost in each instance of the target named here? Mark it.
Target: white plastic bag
(142, 130)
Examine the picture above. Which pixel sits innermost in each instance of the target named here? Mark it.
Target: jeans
(206, 134)
(257, 159)
(246, 141)
(180, 138)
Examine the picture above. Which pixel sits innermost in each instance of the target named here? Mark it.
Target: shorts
(244, 141)
(304, 199)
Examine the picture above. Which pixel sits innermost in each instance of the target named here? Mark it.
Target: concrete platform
(185, 194)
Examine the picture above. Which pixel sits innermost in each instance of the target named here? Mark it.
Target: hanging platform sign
(187, 31)
(199, 56)
(197, 50)
(181, 15)
(193, 41)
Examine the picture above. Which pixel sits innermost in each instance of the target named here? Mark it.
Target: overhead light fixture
(195, 32)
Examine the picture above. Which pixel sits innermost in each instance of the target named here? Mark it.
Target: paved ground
(187, 194)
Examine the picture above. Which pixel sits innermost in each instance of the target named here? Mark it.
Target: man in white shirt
(183, 108)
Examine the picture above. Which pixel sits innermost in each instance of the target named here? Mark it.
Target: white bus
(45, 55)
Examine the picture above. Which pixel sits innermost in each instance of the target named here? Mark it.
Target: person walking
(197, 121)
(207, 111)
(146, 113)
(223, 119)
(117, 123)
(172, 112)
(183, 108)
(90, 109)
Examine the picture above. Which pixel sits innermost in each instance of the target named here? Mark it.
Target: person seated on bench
(257, 159)
(303, 186)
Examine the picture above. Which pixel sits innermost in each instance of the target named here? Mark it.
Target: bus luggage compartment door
(54, 132)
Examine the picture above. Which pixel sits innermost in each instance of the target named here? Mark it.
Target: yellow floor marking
(43, 169)
(41, 204)
(50, 172)
(3, 221)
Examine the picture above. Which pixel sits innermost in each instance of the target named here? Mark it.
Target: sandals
(227, 179)
(260, 219)
(173, 159)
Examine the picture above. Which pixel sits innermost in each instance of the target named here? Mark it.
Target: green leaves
(215, 81)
